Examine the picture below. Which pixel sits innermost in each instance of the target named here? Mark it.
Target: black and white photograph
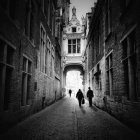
(69, 69)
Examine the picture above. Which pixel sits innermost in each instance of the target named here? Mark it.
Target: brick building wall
(96, 60)
(27, 66)
(45, 69)
(17, 49)
(123, 104)
(119, 63)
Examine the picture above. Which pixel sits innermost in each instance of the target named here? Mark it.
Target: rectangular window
(74, 29)
(46, 60)
(47, 56)
(42, 48)
(49, 68)
(69, 41)
(130, 64)
(74, 41)
(8, 81)
(109, 73)
(69, 49)
(6, 71)
(26, 81)
(52, 65)
(74, 46)
(69, 46)
(97, 77)
(29, 19)
(78, 45)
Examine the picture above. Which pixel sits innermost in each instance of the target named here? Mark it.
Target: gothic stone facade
(73, 44)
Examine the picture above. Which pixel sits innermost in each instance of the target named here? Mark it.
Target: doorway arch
(79, 69)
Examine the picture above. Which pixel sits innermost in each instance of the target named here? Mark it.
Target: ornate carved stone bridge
(73, 46)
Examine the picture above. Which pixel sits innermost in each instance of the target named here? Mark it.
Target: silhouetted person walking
(70, 91)
(90, 96)
(79, 96)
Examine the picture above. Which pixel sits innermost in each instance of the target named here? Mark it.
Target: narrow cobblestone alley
(52, 49)
(64, 120)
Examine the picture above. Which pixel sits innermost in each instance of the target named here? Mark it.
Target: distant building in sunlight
(73, 43)
(74, 37)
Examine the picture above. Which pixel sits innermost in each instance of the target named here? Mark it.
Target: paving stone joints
(65, 120)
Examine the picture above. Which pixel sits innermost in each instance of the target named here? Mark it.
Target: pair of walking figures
(80, 96)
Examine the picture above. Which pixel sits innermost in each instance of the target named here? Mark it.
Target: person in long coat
(79, 96)
(70, 91)
(90, 95)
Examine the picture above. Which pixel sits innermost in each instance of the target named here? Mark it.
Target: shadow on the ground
(94, 108)
(83, 110)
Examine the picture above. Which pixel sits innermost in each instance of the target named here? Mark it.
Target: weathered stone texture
(122, 21)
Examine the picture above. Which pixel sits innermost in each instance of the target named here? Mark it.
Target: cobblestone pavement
(64, 120)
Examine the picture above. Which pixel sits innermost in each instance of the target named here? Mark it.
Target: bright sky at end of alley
(82, 7)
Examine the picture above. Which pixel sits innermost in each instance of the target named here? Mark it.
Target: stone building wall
(12, 33)
(20, 32)
(118, 98)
